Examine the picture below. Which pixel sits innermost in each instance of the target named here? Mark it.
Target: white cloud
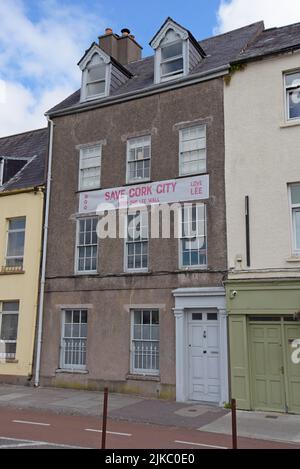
(234, 14)
(38, 57)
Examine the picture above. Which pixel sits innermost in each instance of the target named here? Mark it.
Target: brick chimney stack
(123, 48)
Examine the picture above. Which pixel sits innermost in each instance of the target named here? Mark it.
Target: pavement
(135, 409)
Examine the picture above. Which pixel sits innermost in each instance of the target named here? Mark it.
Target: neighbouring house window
(15, 242)
(74, 340)
(90, 167)
(145, 342)
(96, 77)
(292, 87)
(9, 317)
(87, 245)
(138, 159)
(295, 206)
(192, 143)
(137, 241)
(193, 236)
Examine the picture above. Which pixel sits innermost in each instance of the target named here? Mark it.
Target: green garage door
(292, 333)
(267, 378)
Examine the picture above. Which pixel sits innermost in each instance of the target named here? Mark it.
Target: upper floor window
(87, 246)
(292, 90)
(95, 77)
(90, 167)
(137, 242)
(295, 208)
(172, 60)
(193, 236)
(138, 159)
(192, 150)
(15, 242)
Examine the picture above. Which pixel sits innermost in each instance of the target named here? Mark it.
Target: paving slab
(260, 425)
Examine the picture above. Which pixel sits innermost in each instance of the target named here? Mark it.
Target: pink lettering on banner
(163, 192)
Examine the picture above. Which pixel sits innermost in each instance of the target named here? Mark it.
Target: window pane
(173, 50)
(9, 327)
(176, 66)
(293, 79)
(94, 89)
(295, 192)
(16, 243)
(297, 228)
(9, 306)
(17, 224)
(294, 104)
(96, 73)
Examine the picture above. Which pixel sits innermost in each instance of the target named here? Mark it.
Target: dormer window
(177, 52)
(172, 59)
(100, 73)
(96, 77)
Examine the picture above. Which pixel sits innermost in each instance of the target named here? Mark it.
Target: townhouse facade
(262, 138)
(22, 187)
(140, 313)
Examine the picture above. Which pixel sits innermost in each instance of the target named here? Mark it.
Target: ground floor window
(74, 340)
(9, 318)
(145, 342)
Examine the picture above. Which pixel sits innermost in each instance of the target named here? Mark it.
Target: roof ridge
(282, 27)
(23, 133)
(247, 26)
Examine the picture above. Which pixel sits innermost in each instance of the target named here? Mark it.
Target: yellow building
(22, 189)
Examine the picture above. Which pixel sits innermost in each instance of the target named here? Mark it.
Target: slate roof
(272, 41)
(32, 145)
(220, 51)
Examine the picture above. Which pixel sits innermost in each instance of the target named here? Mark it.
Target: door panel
(292, 332)
(268, 391)
(204, 366)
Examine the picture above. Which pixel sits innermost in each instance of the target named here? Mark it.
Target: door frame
(186, 301)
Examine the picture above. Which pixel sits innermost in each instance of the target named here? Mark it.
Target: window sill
(4, 361)
(72, 372)
(11, 271)
(198, 268)
(293, 259)
(135, 272)
(83, 191)
(86, 274)
(294, 123)
(136, 183)
(155, 378)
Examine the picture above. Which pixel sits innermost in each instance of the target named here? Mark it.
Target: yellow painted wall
(22, 287)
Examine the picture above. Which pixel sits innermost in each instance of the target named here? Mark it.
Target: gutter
(132, 95)
(44, 259)
(20, 191)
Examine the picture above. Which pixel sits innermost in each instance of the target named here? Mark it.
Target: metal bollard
(104, 418)
(234, 424)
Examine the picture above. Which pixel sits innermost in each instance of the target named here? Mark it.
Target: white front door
(204, 356)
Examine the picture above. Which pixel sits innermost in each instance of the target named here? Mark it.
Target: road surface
(32, 429)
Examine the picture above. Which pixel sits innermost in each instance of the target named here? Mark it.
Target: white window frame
(107, 62)
(287, 91)
(133, 369)
(23, 230)
(181, 152)
(182, 238)
(179, 73)
(82, 157)
(132, 143)
(62, 364)
(145, 214)
(293, 209)
(8, 313)
(78, 246)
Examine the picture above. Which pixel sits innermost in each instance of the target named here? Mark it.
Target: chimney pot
(108, 31)
(125, 31)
